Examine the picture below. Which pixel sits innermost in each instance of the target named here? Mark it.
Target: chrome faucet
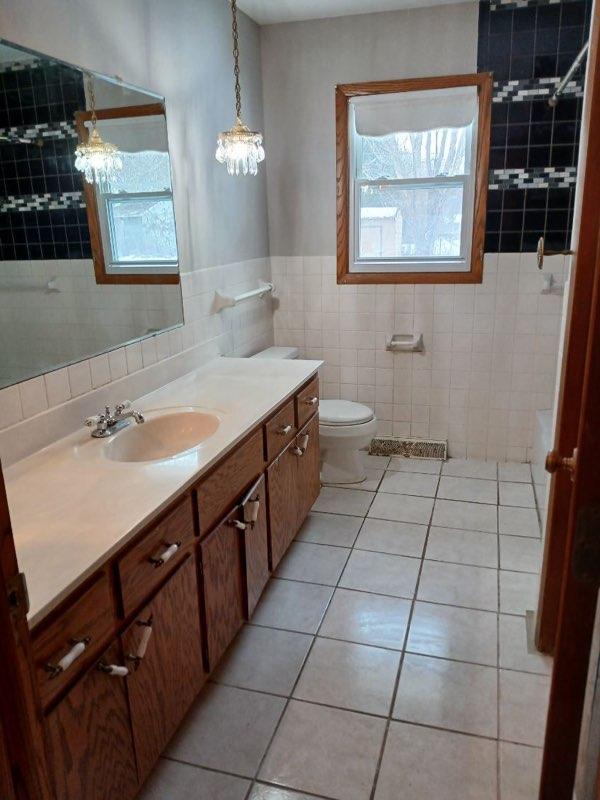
(108, 422)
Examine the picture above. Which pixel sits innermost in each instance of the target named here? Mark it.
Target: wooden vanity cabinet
(308, 472)
(163, 684)
(89, 737)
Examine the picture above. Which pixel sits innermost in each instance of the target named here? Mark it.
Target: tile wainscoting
(490, 354)
(38, 411)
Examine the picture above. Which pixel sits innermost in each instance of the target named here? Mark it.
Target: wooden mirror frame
(91, 202)
(343, 93)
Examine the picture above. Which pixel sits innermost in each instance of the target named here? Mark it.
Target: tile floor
(388, 658)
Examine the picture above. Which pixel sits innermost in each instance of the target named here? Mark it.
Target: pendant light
(97, 159)
(239, 148)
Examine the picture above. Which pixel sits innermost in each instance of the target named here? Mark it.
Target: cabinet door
(308, 464)
(6, 784)
(163, 684)
(283, 503)
(256, 547)
(89, 738)
(223, 584)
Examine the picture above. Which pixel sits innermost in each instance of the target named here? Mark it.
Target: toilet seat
(343, 412)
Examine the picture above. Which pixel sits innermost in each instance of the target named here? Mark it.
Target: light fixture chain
(236, 60)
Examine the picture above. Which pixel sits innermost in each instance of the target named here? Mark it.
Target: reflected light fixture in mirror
(239, 148)
(97, 159)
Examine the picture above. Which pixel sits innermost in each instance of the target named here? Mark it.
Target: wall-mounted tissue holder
(405, 343)
(222, 301)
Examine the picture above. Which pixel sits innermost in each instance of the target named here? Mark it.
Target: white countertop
(71, 507)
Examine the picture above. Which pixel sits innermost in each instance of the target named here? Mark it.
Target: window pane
(427, 154)
(416, 222)
(143, 230)
(147, 171)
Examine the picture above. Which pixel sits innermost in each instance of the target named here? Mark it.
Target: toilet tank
(277, 352)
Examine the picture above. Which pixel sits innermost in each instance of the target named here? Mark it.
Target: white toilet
(345, 428)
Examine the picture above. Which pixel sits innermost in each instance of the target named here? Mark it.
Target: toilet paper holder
(405, 343)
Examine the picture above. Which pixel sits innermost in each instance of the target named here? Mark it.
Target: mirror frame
(343, 94)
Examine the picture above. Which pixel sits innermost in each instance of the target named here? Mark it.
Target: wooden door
(283, 504)
(89, 737)
(255, 546)
(308, 468)
(6, 785)
(572, 569)
(223, 587)
(163, 683)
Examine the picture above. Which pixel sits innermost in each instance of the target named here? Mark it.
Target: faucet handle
(120, 407)
(97, 419)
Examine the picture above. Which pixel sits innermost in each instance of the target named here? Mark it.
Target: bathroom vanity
(141, 577)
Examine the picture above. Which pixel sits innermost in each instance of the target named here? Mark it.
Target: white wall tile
(80, 378)
(58, 389)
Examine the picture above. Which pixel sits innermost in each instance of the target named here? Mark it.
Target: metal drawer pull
(78, 647)
(138, 656)
(114, 670)
(284, 430)
(311, 401)
(301, 445)
(166, 556)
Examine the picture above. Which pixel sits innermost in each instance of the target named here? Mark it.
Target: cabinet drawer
(221, 489)
(74, 638)
(143, 567)
(280, 430)
(307, 401)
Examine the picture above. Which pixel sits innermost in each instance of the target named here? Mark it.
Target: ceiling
(267, 12)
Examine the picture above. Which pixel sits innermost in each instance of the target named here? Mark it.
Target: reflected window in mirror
(130, 212)
(412, 179)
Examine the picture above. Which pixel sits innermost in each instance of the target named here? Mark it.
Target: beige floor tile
(367, 619)
(462, 547)
(402, 508)
(398, 538)
(520, 554)
(409, 483)
(523, 707)
(334, 529)
(428, 466)
(448, 694)
(292, 605)
(378, 462)
(348, 675)
(470, 468)
(518, 521)
(520, 769)
(516, 652)
(176, 781)
(458, 585)
(325, 751)
(316, 563)
(422, 764)
(516, 494)
(370, 484)
(343, 501)
(227, 729)
(264, 659)
(467, 516)
(263, 792)
(471, 490)
(381, 573)
(458, 633)
(518, 592)
(517, 473)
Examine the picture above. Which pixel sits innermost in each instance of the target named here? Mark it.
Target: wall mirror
(85, 265)
(412, 161)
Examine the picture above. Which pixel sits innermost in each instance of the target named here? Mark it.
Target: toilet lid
(343, 412)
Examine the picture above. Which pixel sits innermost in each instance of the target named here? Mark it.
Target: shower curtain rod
(553, 101)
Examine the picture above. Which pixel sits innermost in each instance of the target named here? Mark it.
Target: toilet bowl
(345, 428)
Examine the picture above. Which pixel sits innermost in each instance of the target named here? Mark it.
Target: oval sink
(163, 436)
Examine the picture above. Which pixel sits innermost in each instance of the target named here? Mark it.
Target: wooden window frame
(91, 202)
(343, 94)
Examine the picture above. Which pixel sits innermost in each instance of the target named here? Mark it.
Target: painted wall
(182, 51)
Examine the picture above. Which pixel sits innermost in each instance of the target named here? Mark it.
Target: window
(131, 215)
(412, 175)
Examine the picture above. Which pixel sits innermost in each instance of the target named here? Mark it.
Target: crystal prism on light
(97, 159)
(240, 149)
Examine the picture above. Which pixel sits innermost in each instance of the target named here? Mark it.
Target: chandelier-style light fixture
(97, 159)
(239, 148)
